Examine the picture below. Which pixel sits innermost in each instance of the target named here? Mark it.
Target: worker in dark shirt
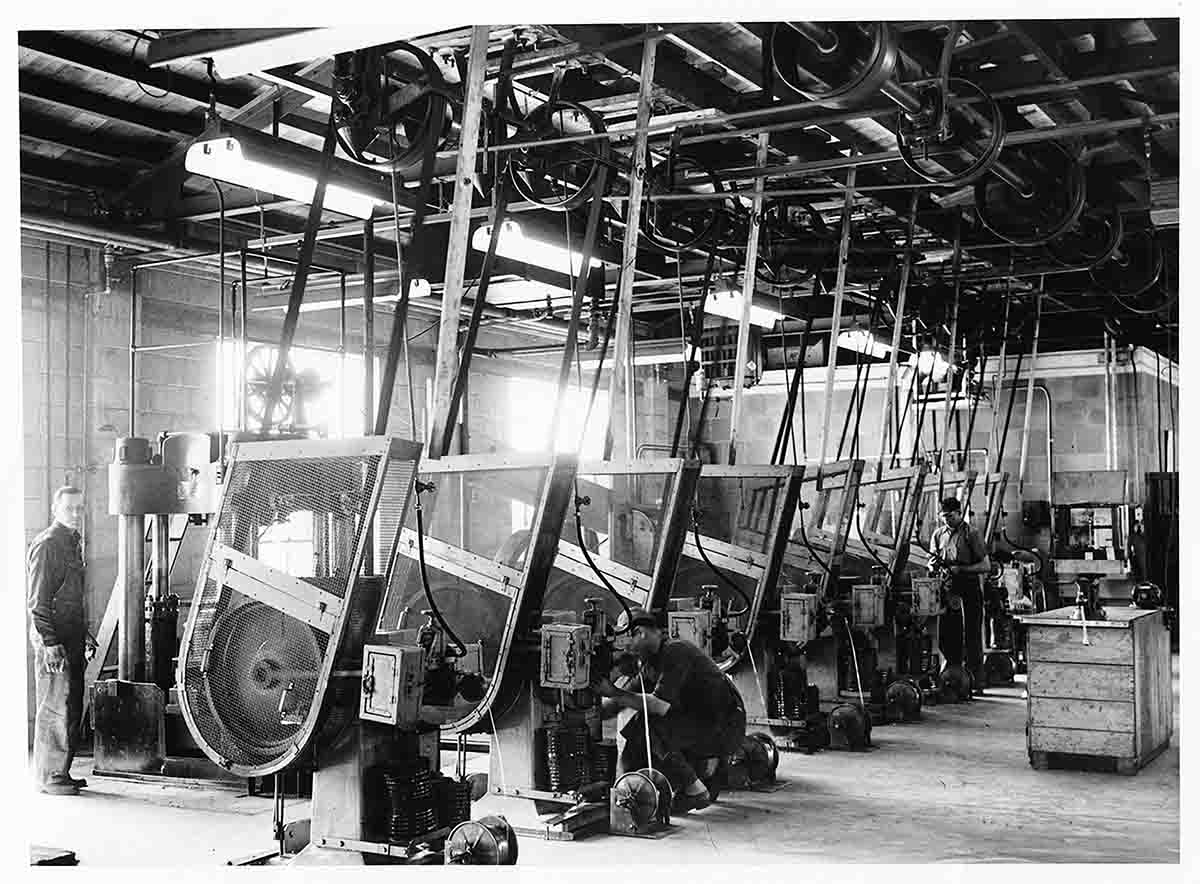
(61, 642)
(695, 714)
(958, 553)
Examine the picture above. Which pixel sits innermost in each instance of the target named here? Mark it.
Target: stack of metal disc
(604, 762)
(412, 811)
(452, 799)
(568, 760)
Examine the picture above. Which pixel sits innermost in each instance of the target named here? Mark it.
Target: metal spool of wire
(489, 841)
(849, 727)
(838, 64)
(956, 684)
(999, 668)
(676, 225)
(560, 177)
(762, 757)
(902, 702)
(1051, 208)
(919, 136)
(411, 808)
(645, 796)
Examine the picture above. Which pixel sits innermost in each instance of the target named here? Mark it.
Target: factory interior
(425, 395)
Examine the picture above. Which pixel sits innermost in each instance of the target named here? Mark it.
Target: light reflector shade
(225, 159)
(729, 306)
(516, 246)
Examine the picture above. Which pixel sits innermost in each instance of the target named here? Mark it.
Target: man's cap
(636, 616)
(951, 505)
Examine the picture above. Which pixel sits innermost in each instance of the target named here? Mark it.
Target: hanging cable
(870, 549)
(854, 657)
(808, 546)
(646, 721)
(437, 614)
(800, 368)
(721, 575)
(585, 501)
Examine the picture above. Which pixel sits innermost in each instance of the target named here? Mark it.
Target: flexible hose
(721, 575)
(871, 549)
(462, 649)
(1041, 560)
(592, 564)
(854, 657)
(808, 546)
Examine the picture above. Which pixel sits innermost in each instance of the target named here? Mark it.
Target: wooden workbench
(1110, 697)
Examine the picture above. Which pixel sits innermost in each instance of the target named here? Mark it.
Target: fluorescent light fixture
(729, 306)
(862, 341)
(930, 364)
(516, 246)
(419, 289)
(225, 159)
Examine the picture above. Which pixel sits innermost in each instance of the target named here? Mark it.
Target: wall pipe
(68, 472)
(1108, 451)
(49, 429)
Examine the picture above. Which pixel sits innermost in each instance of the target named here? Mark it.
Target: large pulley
(1093, 241)
(678, 224)
(1133, 271)
(926, 145)
(489, 841)
(795, 243)
(559, 177)
(387, 110)
(1050, 207)
(836, 64)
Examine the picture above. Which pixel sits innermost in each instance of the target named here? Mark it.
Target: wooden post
(1037, 331)
(897, 333)
(998, 385)
(621, 423)
(838, 296)
(748, 285)
(460, 237)
(946, 399)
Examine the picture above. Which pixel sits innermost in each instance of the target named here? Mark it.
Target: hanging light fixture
(248, 158)
(728, 304)
(514, 244)
(859, 340)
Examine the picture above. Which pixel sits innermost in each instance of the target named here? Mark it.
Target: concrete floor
(955, 787)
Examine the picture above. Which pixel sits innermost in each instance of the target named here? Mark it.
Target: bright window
(288, 545)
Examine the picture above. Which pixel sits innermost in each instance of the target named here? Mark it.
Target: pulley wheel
(862, 60)
(795, 243)
(260, 367)
(677, 225)
(1091, 242)
(257, 653)
(638, 793)
(1059, 191)
(489, 841)
(1133, 271)
(914, 148)
(560, 177)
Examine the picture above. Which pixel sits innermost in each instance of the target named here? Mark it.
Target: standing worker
(61, 642)
(696, 716)
(958, 551)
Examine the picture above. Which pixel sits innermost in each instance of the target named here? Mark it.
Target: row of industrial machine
(357, 610)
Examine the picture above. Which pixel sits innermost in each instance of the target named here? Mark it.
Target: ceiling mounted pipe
(96, 233)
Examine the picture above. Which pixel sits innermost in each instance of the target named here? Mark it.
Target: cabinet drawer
(1081, 681)
(1064, 644)
(1061, 739)
(1096, 715)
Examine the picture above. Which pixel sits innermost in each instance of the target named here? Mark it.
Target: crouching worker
(696, 716)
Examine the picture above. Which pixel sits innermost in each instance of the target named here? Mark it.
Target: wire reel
(1134, 272)
(956, 684)
(678, 225)
(762, 757)
(489, 841)
(836, 64)
(383, 126)
(998, 668)
(849, 727)
(1054, 206)
(559, 177)
(917, 133)
(902, 701)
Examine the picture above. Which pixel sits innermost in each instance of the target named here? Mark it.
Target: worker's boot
(59, 785)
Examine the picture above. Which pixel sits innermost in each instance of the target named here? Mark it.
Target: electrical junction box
(566, 656)
(693, 626)
(926, 596)
(393, 681)
(867, 606)
(798, 617)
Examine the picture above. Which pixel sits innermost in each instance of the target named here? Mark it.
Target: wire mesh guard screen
(276, 587)
(475, 533)
(615, 540)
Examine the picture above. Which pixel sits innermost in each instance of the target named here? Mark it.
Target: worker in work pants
(679, 743)
(59, 715)
(960, 629)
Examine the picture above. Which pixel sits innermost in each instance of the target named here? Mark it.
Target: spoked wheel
(796, 243)
(930, 153)
(489, 841)
(1130, 276)
(837, 64)
(260, 366)
(560, 177)
(645, 795)
(678, 224)
(1055, 204)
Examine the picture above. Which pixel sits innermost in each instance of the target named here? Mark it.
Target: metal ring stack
(568, 759)
(604, 762)
(410, 795)
(452, 799)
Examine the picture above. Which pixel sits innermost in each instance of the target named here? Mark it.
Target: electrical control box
(566, 656)
(693, 626)
(867, 606)
(393, 681)
(926, 596)
(798, 617)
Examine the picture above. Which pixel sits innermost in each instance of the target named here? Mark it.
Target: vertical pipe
(133, 318)
(1108, 452)
(749, 279)
(1116, 409)
(893, 378)
(1138, 489)
(342, 355)
(85, 441)
(368, 327)
(162, 557)
(68, 468)
(621, 404)
(240, 356)
(838, 296)
(1037, 331)
(221, 336)
(131, 544)
(49, 401)
(1158, 430)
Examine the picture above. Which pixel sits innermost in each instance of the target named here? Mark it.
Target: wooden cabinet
(1109, 696)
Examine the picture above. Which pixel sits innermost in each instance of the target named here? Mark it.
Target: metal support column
(131, 632)
(838, 297)
(897, 332)
(621, 424)
(748, 285)
(368, 288)
(460, 239)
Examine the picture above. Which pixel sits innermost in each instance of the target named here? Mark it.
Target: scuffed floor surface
(955, 787)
